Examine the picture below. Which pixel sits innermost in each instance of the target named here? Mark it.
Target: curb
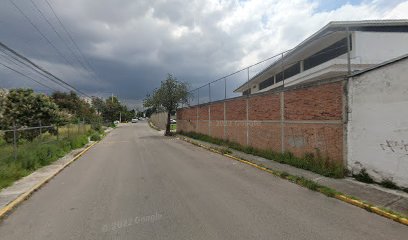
(153, 126)
(340, 197)
(27, 194)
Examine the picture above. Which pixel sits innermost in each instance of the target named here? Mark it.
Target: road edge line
(13, 204)
(341, 197)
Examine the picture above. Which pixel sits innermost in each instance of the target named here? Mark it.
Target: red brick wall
(265, 107)
(312, 120)
(323, 102)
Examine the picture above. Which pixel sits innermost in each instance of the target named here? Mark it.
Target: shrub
(78, 141)
(95, 136)
(363, 176)
(388, 183)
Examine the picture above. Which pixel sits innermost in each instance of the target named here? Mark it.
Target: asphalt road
(136, 184)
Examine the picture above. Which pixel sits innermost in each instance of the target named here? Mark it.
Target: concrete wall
(377, 47)
(378, 123)
(159, 119)
(305, 119)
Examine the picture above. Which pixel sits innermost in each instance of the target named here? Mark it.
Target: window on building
(247, 92)
(291, 71)
(288, 72)
(337, 49)
(268, 82)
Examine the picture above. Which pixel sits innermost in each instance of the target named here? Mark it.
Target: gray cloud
(132, 45)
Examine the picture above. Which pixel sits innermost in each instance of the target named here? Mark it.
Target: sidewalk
(373, 194)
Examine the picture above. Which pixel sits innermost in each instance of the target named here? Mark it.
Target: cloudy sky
(131, 45)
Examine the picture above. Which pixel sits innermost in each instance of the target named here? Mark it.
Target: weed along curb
(310, 185)
(26, 195)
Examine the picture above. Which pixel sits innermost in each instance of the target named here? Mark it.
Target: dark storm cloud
(132, 45)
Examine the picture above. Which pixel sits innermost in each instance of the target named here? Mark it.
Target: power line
(40, 32)
(57, 33)
(41, 69)
(71, 38)
(18, 72)
(31, 67)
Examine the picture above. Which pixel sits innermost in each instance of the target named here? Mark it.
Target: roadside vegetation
(48, 127)
(309, 162)
(364, 177)
(41, 151)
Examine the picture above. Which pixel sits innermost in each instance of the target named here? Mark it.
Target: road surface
(136, 184)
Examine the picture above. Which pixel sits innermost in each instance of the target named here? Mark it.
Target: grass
(308, 162)
(363, 176)
(40, 152)
(388, 183)
(173, 127)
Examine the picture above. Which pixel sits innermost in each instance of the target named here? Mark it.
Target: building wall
(378, 123)
(159, 119)
(305, 119)
(377, 47)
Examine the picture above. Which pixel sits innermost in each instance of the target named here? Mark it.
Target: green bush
(2, 141)
(78, 141)
(95, 136)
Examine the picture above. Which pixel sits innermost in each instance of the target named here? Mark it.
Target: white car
(134, 120)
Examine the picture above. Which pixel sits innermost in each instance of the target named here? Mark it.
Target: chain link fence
(15, 140)
(224, 87)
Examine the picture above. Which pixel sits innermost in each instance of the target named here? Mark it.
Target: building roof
(401, 24)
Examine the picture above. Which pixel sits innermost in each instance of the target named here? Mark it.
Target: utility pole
(112, 97)
(120, 117)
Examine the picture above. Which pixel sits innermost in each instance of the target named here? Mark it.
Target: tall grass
(308, 162)
(40, 152)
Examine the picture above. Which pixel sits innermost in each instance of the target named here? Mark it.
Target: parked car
(134, 120)
(173, 121)
(116, 122)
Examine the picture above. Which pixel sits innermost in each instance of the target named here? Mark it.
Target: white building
(330, 53)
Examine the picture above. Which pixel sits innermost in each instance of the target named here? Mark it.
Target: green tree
(99, 105)
(168, 97)
(112, 109)
(3, 96)
(26, 108)
(73, 104)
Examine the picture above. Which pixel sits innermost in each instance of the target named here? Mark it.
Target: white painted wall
(378, 123)
(377, 47)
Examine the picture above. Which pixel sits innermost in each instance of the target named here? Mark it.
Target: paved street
(137, 184)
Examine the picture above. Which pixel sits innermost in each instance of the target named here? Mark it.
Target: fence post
(247, 109)
(39, 124)
(225, 97)
(15, 140)
(198, 103)
(209, 109)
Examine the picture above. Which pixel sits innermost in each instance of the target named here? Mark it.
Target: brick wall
(306, 119)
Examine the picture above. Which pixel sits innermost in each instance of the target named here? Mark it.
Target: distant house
(328, 52)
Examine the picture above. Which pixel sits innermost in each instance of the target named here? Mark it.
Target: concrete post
(209, 109)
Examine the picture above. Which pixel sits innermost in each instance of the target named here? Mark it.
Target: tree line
(24, 107)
